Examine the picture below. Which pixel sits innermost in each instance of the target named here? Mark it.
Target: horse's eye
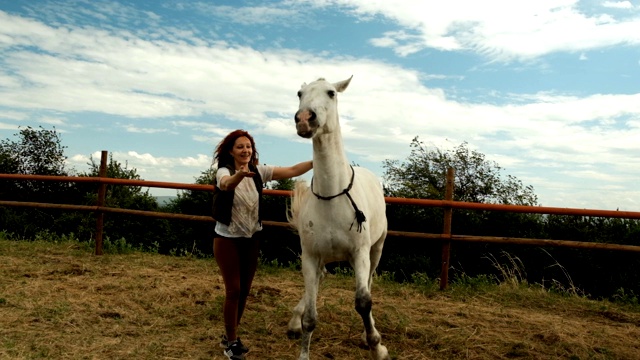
(299, 94)
(331, 93)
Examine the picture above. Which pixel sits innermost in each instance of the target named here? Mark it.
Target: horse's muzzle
(304, 131)
(305, 120)
(306, 114)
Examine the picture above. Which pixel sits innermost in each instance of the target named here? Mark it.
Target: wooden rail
(446, 237)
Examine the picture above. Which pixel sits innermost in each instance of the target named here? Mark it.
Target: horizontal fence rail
(445, 237)
(389, 200)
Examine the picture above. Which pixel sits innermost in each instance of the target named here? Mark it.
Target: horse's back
(369, 182)
(371, 188)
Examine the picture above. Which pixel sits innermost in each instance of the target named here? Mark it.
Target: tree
(193, 236)
(129, 197)
(37, 152)
(8, 165)
(279, 243)
(194, 202)
(423, 176)
(137, 230)
(282, 184)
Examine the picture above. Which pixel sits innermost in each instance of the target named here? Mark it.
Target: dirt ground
(58, 301)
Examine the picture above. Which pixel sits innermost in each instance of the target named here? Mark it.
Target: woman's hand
(245, 172)
(230, 182)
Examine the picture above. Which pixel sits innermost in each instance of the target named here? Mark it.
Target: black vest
(223, 200)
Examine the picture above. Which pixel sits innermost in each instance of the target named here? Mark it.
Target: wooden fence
(446, 237)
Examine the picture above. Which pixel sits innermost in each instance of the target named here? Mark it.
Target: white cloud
(136, 129)
(618, 4)
(150, 167)
(501, 30)
(248, 15)
(13, 115)
(150, 79)
(82, 69)
(6, 126)
(52, 120)
(200, 162)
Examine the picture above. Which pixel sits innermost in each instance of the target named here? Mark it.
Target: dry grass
(57, 301)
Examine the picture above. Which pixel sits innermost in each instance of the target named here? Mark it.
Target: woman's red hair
(223, 151)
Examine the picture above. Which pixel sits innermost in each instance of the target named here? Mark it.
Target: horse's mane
(300, 193)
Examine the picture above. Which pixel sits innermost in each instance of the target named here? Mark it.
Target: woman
(236, 209)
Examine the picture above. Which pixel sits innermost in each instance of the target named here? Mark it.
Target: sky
(548, 90)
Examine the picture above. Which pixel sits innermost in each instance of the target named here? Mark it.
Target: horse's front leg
(362, 268)
(312, 272)
(294, 329)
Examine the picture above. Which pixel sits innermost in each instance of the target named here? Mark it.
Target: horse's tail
(300, 193)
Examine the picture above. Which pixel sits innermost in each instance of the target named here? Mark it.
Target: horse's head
(318, 110)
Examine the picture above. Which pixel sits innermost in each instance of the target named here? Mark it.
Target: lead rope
(360, 217)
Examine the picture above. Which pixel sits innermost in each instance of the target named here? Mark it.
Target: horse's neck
(331, 170)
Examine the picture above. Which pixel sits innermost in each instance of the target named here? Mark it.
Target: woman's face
(241, 151)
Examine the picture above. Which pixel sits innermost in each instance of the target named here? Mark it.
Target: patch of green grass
(626, 297)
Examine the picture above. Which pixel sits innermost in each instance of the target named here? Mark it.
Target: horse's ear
(342, 85)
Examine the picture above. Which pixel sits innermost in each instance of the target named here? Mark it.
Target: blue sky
(550, 90)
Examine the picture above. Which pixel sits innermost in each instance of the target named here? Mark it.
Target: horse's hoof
(381, 353)
(293, 334)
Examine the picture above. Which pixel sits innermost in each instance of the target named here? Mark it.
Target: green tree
(423, 176)
(279, 243)
(8, 165)
(40, 152)
(282, 184)
(138, 231)
(193, 237)
(194, 202)
(35, 152)
(129, 197)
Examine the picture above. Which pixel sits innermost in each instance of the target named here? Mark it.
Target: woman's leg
(248, 265)
(227, 256)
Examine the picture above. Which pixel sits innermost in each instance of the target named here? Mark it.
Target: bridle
(360, 217)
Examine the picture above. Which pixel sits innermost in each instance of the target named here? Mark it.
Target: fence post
(102, 192)
(446, 231)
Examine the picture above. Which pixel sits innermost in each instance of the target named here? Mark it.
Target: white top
(244, 211)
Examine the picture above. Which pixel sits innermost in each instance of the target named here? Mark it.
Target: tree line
(422, 175)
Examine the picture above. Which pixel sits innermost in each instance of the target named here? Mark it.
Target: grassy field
(58, 301)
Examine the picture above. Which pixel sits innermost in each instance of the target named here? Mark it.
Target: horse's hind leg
(374, 255)
(362, 268)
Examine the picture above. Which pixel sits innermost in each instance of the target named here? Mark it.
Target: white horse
(341, 217)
